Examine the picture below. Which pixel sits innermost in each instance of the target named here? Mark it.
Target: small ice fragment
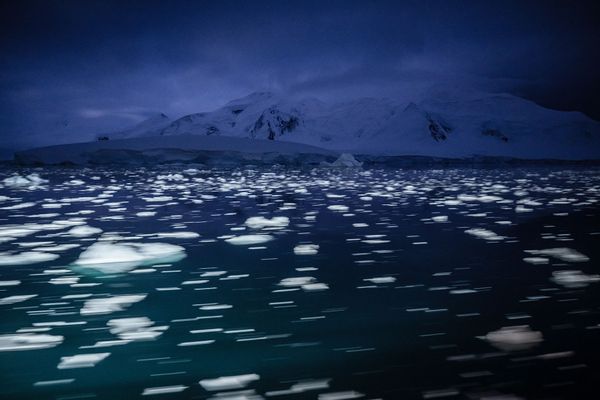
(306, 249)
(81, 360)
(262, 222)
(244, 240)
(228, 382)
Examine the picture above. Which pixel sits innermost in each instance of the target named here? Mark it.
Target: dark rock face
(212, 130)
(274, 123)
(439, 129)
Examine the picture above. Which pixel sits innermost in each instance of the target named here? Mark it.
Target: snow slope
(149, 127)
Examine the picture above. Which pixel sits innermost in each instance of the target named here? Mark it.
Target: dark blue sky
(74, 67)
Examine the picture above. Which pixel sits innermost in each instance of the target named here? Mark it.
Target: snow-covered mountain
(151, 126)
(438, 123)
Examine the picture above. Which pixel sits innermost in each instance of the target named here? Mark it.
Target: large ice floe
(262, 222)
(513, 338)
(26, 257)
(112, 258)
(108, 305)
(574, 279)
(249, 239)
(30, 181)
(29, 341)
(561, 253)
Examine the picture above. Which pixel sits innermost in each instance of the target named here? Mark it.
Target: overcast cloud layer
(69, 69)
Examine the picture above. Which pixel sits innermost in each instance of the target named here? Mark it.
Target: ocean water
(275, 283)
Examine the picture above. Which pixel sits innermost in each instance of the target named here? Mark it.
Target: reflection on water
(313, 284)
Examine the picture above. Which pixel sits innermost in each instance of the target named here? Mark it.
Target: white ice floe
(561, 253)
(573, 279)
(485, 234)
(513, 338)
(249, 239)
(178, 235)
(83, 231)
(109, 305)
(27, 257)
(16, 299)
(146, 214)
(440, 218)
(136, 328)
(163, 390)
(121, 257)
(30, 181)
(307, 283)
(29, 341)
(536, 260)
(228, 382)
(157, 199)
(306, 249)
(81, 360)
(262, 222)
(381, 279)
(338, 208)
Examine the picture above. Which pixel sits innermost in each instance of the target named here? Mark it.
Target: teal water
(414, 271)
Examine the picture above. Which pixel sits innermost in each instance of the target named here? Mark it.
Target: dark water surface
(426, 283)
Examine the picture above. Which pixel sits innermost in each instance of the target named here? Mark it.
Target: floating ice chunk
(146, 214)
(30, 181)
(307, 283)
(137, 328)
(338, 207)
(228, 382)
(157, 199)
(297, 281)
(485, 234)
(163, 390)
(440, 218)
(16, 299)
(315, 286)
(84, 231)
(122, 257)
(9, 283)
(178, 235)
(512, 338)
(347, 395)
(381, 279)
(27, 257)
(262, 222)
(110, 304)
(29, 341)
(536, 260)
(249, 239)
(18, 206)
(81, 360)
(561, 253)
(306, 249)
(573, 279)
